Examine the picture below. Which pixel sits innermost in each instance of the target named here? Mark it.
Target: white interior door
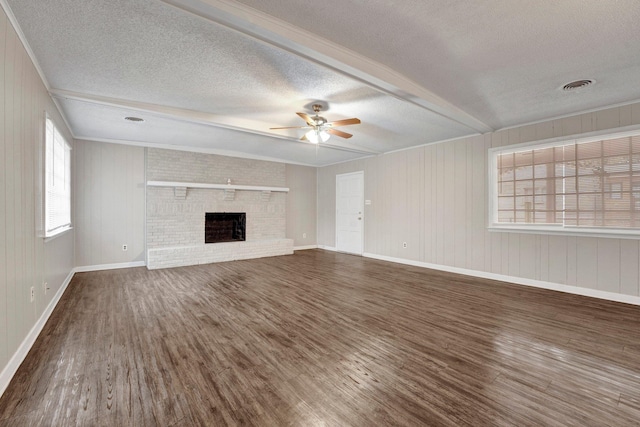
(350, 212)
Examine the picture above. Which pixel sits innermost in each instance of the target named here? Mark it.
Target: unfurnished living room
(329, 213)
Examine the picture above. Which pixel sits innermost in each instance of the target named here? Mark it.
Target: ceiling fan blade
(290, 127)
(307, 118)
(345, 122)
(339, 133)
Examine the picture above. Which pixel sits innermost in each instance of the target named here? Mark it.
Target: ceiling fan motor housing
(319, 120)
(320, 127)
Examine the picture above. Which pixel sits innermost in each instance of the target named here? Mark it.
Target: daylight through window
(590, 183)
(57, 181)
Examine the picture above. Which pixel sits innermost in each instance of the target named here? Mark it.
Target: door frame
(361, 173)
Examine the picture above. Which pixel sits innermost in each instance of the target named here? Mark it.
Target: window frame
(57, 231)
(615, 193)
(553, 229)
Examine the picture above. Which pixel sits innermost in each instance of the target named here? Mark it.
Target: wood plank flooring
(320, 338)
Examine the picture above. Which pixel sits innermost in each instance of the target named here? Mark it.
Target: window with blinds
(584, 183)
(57, 181)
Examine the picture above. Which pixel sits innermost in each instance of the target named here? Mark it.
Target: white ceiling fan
(320, 130)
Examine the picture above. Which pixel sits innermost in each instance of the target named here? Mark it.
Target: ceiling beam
(191, 149)
(324, 52)
(197, 117)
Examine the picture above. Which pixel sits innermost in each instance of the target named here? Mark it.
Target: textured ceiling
(215, 75)
(501, 61)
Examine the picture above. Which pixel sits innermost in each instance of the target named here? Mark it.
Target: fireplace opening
(224, 227)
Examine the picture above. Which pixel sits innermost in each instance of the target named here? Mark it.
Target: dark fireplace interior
(224, 227)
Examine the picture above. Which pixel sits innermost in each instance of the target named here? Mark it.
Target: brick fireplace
(182, 187)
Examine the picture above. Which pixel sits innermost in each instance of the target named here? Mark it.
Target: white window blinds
(593, 183)
(57, 181)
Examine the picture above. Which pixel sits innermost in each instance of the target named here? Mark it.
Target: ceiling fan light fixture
(320, 130)
(317, 135)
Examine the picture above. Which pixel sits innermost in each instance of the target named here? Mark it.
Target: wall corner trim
(594, 293)
(21, 353)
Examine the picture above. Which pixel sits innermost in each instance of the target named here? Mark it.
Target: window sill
(59, 233)
(614, 233)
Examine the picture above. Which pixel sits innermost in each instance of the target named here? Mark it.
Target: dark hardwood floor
(320, 338)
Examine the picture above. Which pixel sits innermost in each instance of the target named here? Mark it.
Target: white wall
(109, 192)
(435, 199)
(301, 205)
(25, 259)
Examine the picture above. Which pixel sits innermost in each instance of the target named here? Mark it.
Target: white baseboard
(85, 268)
(611, 296)
(304, 248)
(12, 367)
(18, 357)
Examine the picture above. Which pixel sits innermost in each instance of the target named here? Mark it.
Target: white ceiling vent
(578, 84)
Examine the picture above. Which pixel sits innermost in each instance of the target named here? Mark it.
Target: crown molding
(23, 40)
(27, 47)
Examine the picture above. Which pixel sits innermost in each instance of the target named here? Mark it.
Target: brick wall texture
(175, 225)
(171, 165)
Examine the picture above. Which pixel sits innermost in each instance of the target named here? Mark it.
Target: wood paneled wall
(25, 259)
(435, 198)
(109, 194)
(301, 204)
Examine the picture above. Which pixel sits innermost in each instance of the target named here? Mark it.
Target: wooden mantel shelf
(215, 186)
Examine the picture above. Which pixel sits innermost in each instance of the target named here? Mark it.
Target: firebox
(225, 227)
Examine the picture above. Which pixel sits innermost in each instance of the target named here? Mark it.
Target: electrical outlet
(45, 287)
(33, 294)
(304, 235)
(124, 248)
(404, 245)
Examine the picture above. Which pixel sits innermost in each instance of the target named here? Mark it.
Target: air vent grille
(578, 84)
